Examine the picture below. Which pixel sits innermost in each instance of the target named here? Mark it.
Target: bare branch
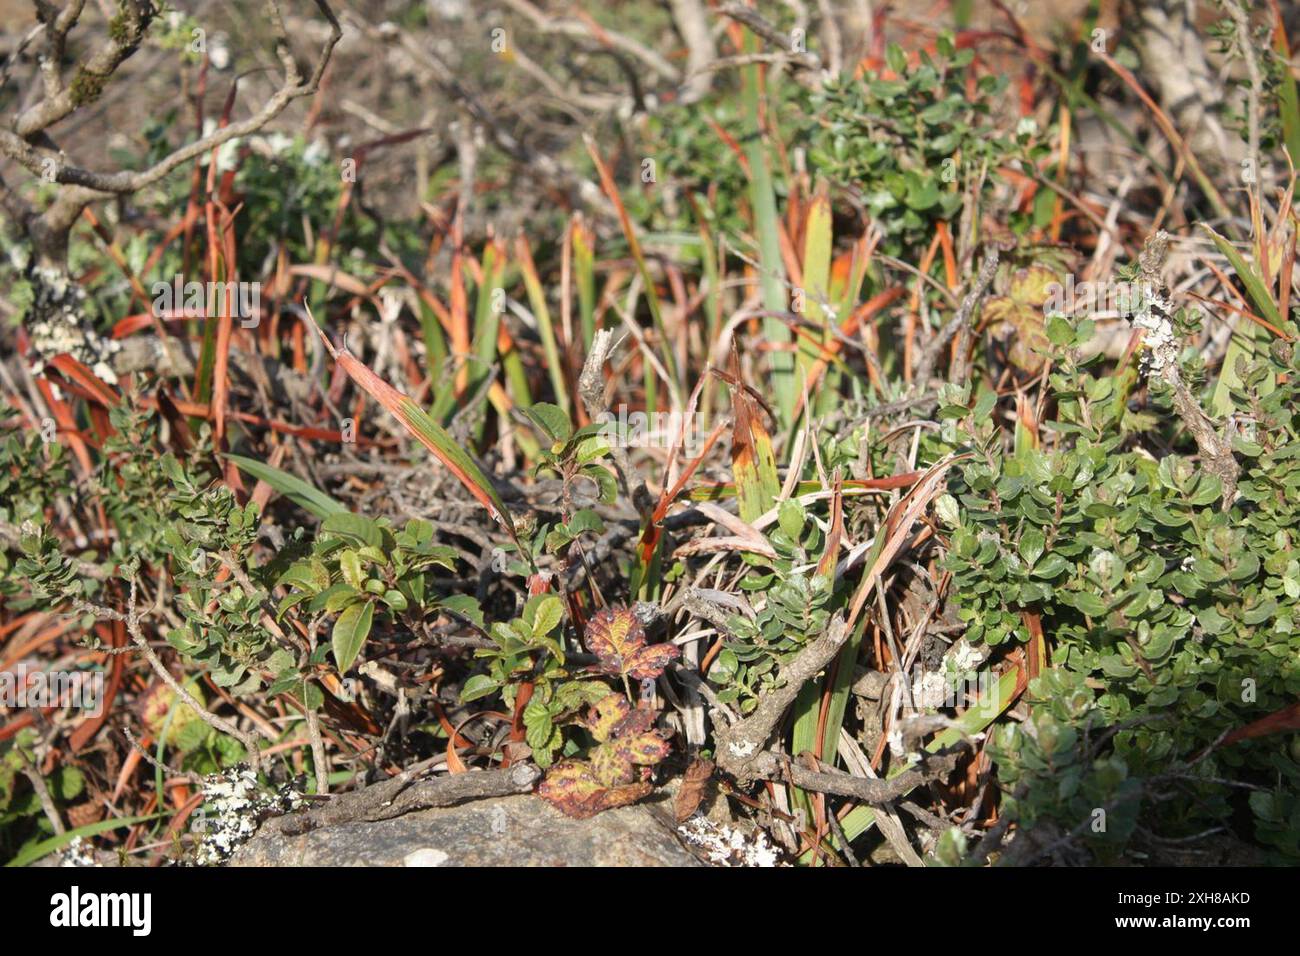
(567, 26)
(864, 789)
(14, 206)
(765, 31)
(958, 323)
(1215, 448)
(132, 621)
(26, 143)
(57, 24)
(591, 386)
(693, 25)
(1246, 42)
(404, 794)
(129, 182)
(740, 746)
(43, 795)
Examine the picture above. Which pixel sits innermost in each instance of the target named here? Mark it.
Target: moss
(86, 87)
(119, 28)
(127, 29)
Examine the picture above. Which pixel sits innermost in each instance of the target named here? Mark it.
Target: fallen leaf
(695, 786)
(572, 788)
(1022, 309)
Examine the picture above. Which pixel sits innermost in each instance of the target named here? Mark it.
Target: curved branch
(128, 30)
(590, 30)
(128, 182)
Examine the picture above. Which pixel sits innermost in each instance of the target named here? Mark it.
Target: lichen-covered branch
(741, 745)
(404, 794)
(1215, 448)
(26, 142)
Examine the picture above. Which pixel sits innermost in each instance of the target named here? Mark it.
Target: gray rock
(503, 831)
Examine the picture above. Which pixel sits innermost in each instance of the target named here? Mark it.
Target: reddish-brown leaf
(572, 788)
(644, 749)
(695, 785)
(616, 637)
(606, 715)
(611, 766)
(608, 778)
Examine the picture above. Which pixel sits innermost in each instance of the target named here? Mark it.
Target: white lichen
(965, 657)
(57, 325)
(727, 846)
(1152, 316)
(896, 745)
(930, 691)
(233, 804)
(742, 750)
(78, 853)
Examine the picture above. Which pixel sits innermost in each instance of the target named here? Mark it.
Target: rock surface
(505, 831)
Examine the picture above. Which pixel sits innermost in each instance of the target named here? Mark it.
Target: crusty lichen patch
(57, 324)
(233, 805)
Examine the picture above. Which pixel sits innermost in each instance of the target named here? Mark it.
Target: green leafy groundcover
(1174, 617)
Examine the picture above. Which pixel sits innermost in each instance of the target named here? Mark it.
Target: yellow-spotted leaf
(616, 637)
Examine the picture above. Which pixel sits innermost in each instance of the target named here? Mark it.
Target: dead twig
(799, 59)
(959, 325)
(591, 386)
(1215, 448)
(863, 789)
(404, 794)
(132, 621)
(740, 746)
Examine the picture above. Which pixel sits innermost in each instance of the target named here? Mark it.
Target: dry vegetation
(874, 425)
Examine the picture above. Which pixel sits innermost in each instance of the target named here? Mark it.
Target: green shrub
(1172, 614)
(914, 144)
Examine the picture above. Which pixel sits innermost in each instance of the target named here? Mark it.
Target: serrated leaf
(537, 724)
(617, 638)
(611, 767)
(606, 714)
(480, 685)
(572, 788)
(1021, 310)
(547, 614)
(581, 788)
